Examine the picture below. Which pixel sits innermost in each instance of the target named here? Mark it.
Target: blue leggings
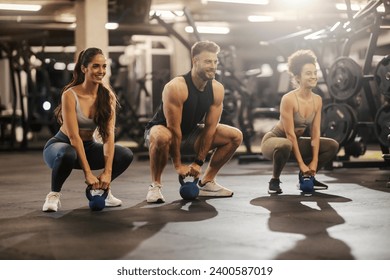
(62, 158)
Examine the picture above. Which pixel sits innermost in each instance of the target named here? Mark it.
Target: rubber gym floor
(349, 221)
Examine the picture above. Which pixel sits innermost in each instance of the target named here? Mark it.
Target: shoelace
(54, 196)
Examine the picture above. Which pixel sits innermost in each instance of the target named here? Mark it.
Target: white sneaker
(52, 202)
(112, 201)
(154, 194)
(214, 189)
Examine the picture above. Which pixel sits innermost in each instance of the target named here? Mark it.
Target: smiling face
(96, 69)
(308, 76)
(205, 65)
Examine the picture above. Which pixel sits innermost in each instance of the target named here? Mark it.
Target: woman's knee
(67, 154)
(333, 146)
(123, 155)
(283, 148)
(59, 152)
(329, 145)
(336, 145)
(276, 148)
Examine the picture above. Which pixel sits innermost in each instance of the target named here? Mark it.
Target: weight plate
(382, 76)
(382, 125)
(354, 124)
(344, 78)
(339, 122)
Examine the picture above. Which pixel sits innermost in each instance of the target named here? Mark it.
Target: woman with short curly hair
(300, 113)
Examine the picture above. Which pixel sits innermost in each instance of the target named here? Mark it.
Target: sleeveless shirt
(300, 123)
(83, 122)
(194, 110)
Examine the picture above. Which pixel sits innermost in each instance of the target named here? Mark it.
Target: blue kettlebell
(96, 202)
(188, 190)
(306, 183)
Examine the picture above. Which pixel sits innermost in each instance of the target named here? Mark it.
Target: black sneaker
(274, 187)
(319, 186)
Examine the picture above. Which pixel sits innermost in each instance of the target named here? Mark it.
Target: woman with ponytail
(87, 104)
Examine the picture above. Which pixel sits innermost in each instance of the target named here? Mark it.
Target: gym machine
(28, 96)
(144, 70)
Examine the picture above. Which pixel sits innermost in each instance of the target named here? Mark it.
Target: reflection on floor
(348, 221)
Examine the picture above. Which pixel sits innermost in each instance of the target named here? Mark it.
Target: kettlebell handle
(181, 180)
(89, 195)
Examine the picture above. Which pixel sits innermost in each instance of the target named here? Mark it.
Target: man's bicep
(172, 108)
(214, 114)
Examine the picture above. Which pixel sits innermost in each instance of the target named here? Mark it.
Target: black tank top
(194, 108)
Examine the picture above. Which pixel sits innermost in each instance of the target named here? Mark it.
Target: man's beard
(203, 75)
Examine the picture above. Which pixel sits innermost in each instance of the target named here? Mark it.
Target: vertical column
(91, 18)
(181, 59)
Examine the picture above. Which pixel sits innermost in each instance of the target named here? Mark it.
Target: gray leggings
(279, 150)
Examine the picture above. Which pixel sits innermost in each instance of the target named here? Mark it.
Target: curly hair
(298, 59)
(104, 97)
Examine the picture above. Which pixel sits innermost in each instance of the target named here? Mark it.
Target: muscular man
(187, 122)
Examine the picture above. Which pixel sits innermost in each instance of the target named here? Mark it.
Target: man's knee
(231, 134)
(160, 139)
(237, 137)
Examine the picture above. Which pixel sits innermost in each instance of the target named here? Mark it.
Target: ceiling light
(253, 2)
(210, 28)
(59, 66)
(111, 25)
(20, 7)
(66, 17)
(72, 26)
(261, 18)
(70, 66)
(46, 105)
(343, 7)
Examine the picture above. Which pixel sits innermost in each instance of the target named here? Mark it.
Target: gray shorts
(187, 142)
